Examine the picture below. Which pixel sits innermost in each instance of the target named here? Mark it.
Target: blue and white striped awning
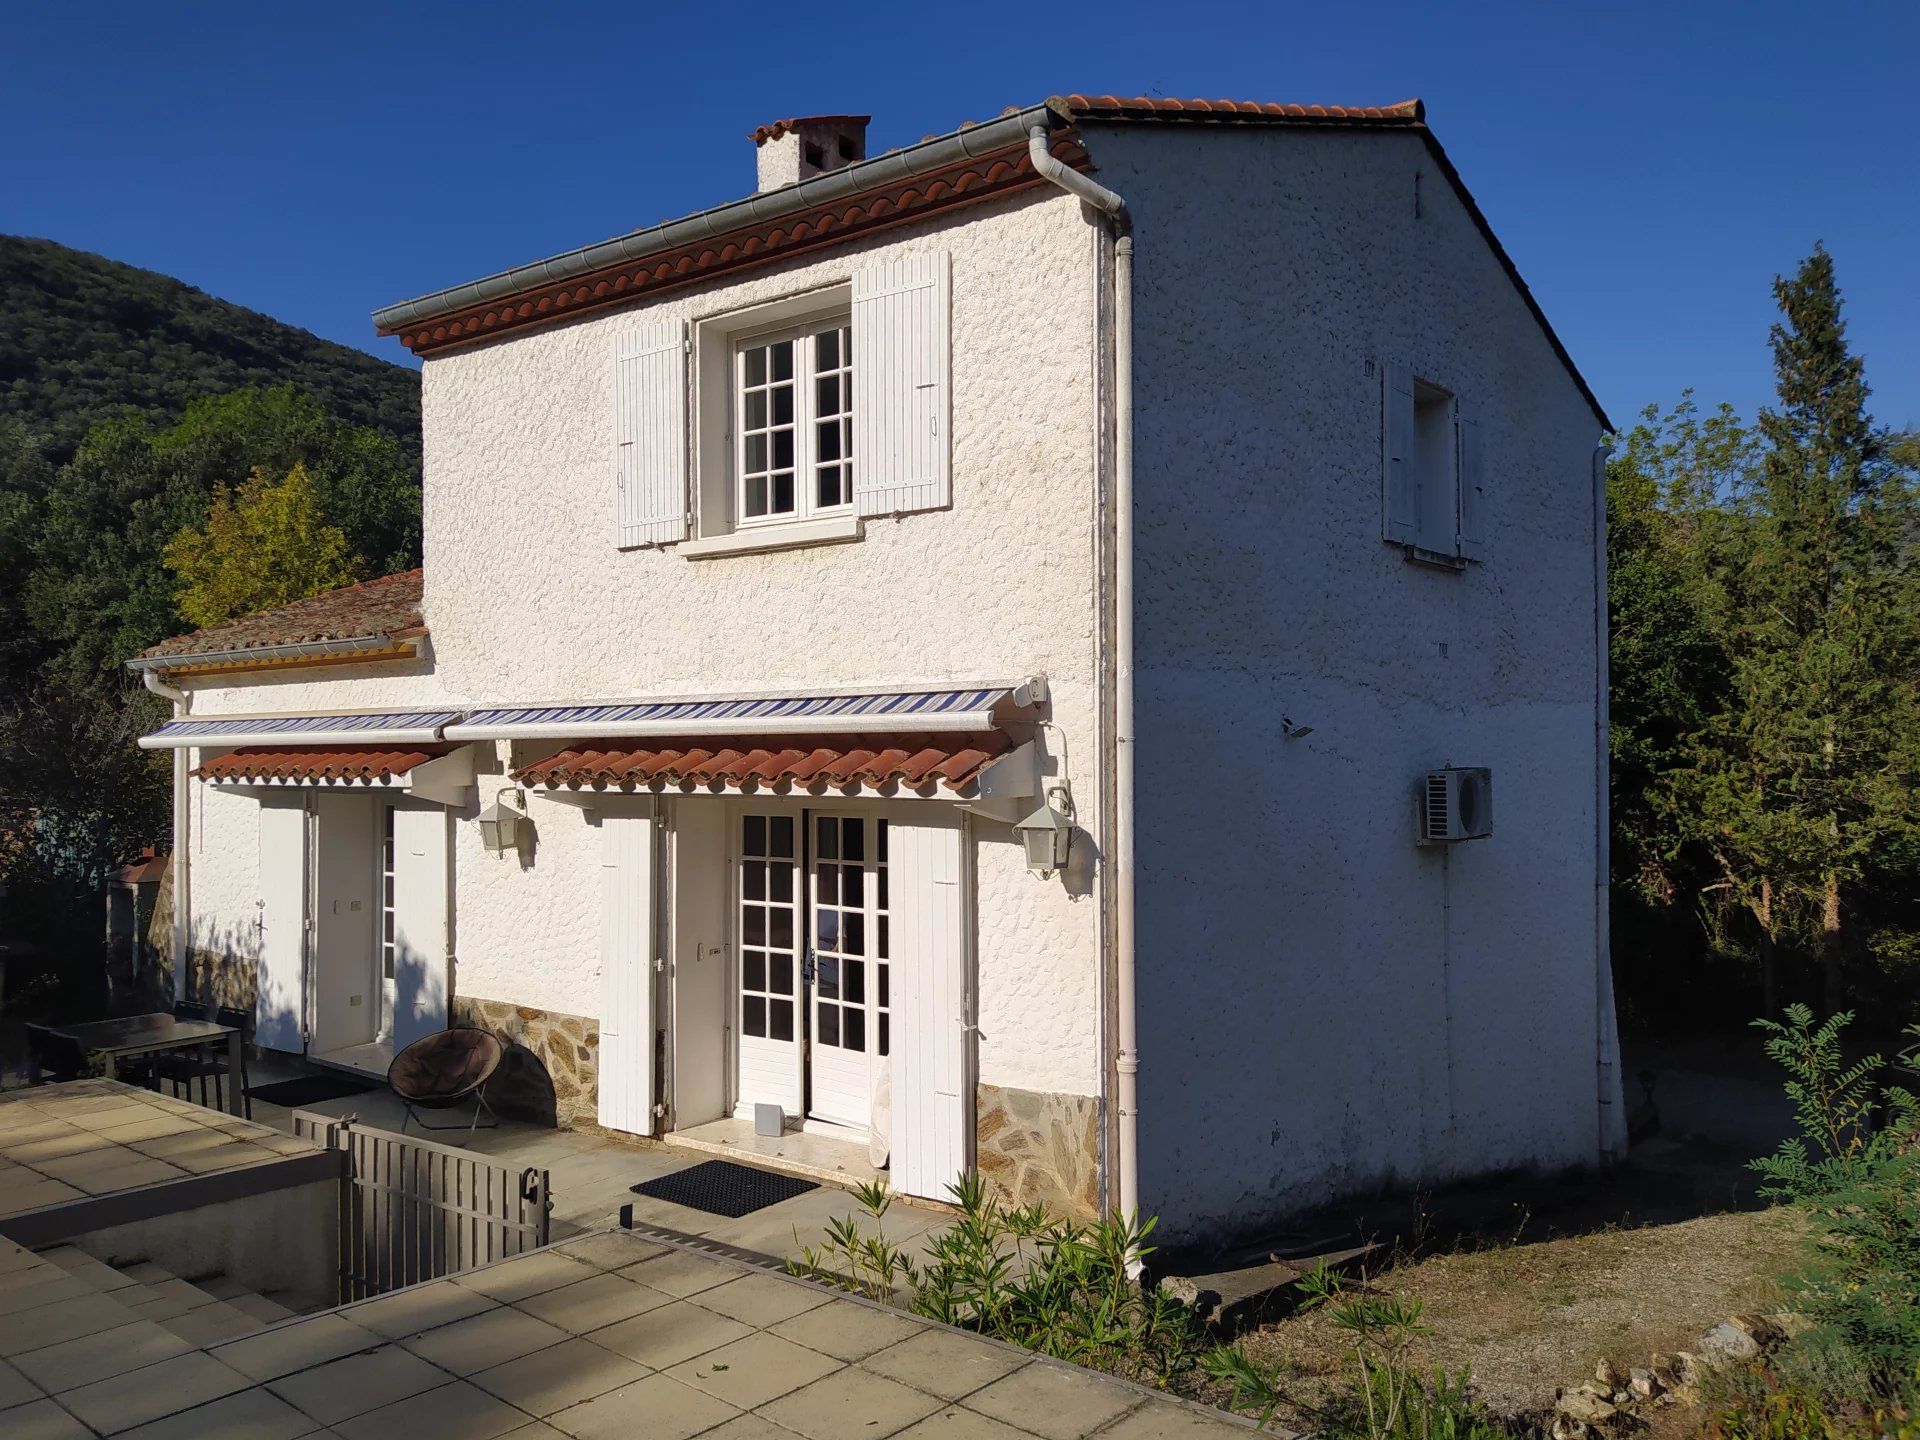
(400, 727)
(969, 708)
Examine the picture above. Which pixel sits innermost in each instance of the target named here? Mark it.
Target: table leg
(236, 1057)
(112, 1068)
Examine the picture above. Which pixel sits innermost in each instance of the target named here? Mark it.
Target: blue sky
(1650, 166)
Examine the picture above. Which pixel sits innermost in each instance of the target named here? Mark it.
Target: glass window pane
(780, 975)
(782, 1015)
(826, 350)
(826, 929)
(756, 453)
(780, 873)
(854, 1035)
(854, 939)
(855, 980)
(753, 1016)
(827, 837)
(853, 840)
(827, 487)
(783, 360)
(883, 971)
(753, 879)
(826, 395)
(783, 405)
(753, 835)
(782, 494)
(881, 949)
(780, 835)
(756, 410)
(753, 970)
(828, 890)
(757, 496)
(884, 1037)
(880, 840)
(829, 1024)
(827, 441)
(782, 927)
(783, 450)
(826, 976)
(753, 926)
(757, 365)
(880, 887)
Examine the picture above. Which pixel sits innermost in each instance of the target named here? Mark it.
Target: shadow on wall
(223, 969)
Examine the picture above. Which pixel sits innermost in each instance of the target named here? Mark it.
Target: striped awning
(971, 708)
(387, 727)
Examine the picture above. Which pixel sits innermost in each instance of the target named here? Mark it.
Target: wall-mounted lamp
(1047, 834)
(500, 825)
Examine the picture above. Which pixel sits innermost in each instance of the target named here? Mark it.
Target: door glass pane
(766, 927)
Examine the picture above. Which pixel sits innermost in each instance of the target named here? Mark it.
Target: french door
(815, 1016)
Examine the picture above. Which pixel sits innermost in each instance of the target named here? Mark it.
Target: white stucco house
(1196, 484)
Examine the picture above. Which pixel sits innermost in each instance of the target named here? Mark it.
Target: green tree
(263, 545)
(1805, 772)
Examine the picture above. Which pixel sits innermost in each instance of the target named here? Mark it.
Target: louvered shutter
(902, 458)
(421, 889)
(1473, 489)
(626, 973)
(932, 1084)
(650, 425)
(1399, 493)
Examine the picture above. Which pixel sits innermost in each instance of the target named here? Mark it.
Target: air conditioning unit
(1455, 804)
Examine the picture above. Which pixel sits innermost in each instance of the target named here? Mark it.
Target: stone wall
(551, 1073)
(1032, 1146)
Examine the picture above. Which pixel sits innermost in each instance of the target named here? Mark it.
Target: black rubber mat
(311, 1089)
(721, 1187)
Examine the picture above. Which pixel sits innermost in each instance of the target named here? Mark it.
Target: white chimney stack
(799, 149)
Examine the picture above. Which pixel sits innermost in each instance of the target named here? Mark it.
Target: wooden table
(131, 1035)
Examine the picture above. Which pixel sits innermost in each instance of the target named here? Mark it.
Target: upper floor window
(794, 440)
(1433, 491)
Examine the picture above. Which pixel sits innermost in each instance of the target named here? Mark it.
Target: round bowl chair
(445, 1069)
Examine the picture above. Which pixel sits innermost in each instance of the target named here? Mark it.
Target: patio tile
(159, 1390)
(41, 1420)
(1167, 1420)
(955, 1423)
(210, 1325)
(100, 1356)
(131, 1171)
(749, 1427)
(255, 1414)
(63, 1144)
(611, 1250)
(221, 1157)
(287, 1348)
(421, 1307)
(15, 1388)
(851, 1402)
(657, 1407)
(40, 1288)
(847, 1331)
(664, 1337)
(1054, 1401)
(46, 1325)
(588, 1304)
(457, 1409)
(341, 1389)
(750, 1372)
(514, 1280)
(561, 1375)
(945, 1363)
(483, 1341)
(684, 1273)
(762, 1299)
(150, 1125)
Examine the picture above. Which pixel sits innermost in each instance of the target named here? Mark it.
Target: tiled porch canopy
(341, 764)
(926, 765)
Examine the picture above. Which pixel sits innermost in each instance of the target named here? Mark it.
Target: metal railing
(413, 1210)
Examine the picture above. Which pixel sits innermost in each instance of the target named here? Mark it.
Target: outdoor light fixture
(500, 825)
(1047, 833)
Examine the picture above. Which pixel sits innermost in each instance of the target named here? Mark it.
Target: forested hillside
(131, 405)
(87, 337)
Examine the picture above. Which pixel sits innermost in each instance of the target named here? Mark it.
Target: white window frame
(804, 337)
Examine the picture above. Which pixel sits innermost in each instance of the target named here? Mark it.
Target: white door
(768, 936)
(280, 1003)
(932, 1115)
(847, 968)
(421, 922)
(626, 973)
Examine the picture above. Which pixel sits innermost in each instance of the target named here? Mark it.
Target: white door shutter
(1473, 489)
(1399, 495)
(626, 973)
(421, 923)
(279, 1006)
(932, 1055)
(902, 458)
(650, 426)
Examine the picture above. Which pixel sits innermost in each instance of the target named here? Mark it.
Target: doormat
(721, 1187)
(310, 1089)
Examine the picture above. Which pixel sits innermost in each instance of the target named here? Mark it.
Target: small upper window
(794, 453)
(1433, 486)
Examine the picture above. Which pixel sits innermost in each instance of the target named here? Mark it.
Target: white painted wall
(1312, 1024)
(527, 599)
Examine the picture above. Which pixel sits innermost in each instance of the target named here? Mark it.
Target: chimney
(799, 149)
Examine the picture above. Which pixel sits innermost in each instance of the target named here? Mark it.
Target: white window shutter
(421, 929)
(1473, 489)
(1399, 493)
(626, 973)
(650, 426)
(280, 995)
(902, 369)
(932, 1101)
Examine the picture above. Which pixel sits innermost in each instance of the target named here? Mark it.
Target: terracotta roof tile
(318, 762)
(925, 764)
(387, 608)
(763, 133)
(1162, 107)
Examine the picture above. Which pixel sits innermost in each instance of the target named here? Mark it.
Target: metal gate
(413, 1210)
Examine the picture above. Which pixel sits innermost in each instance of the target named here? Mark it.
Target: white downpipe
(182, 850)
(1612, 1118)
(1120, 867)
